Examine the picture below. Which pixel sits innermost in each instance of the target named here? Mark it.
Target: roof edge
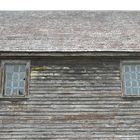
(45, 54)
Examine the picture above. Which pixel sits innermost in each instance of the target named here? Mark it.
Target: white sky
(69, 4)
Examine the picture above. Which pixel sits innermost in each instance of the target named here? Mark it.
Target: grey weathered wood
(72, 99)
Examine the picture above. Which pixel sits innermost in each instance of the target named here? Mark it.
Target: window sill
(131, 97)
(13, 98)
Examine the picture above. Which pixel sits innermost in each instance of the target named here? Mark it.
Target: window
(15, 78)
(131, 78)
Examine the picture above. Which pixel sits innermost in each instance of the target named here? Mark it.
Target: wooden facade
(72, 98)
(74, 90)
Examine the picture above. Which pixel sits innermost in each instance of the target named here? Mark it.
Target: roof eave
(67, 53)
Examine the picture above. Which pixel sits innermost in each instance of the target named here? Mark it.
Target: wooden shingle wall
(72, 99)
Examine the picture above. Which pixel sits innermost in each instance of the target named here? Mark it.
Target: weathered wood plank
(72, 98)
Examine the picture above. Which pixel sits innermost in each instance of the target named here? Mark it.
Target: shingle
(72, 31)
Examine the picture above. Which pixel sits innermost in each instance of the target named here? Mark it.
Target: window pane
(22, 83)
(15, 76)
(135, 90)
(15, 83)
(22, 68)
(22, 76)
(138, 83)
(131, 78)
(16, 68)
(9, 68)
(138, 76)
(9, 83)
(127, 83)
(134, 83)
(14, 91)
(127, 68)
(138, 68)
(133, 75)
(133, 68)
(14, 79)
(21, 91)
(9, 76)
(127, 76)
(8, 92)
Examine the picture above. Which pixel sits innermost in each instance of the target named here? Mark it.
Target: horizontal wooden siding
(72, 99)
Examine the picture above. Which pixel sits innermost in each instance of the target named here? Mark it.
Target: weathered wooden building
(69, 75)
